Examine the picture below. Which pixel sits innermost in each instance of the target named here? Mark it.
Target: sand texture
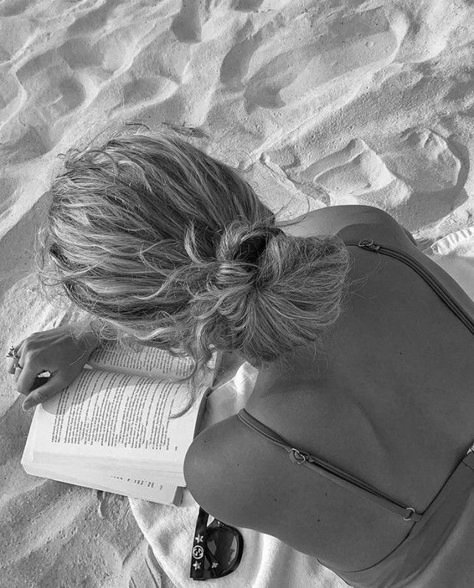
(317, 102)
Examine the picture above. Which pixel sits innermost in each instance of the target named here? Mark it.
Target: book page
(119, 417)
(150, 489)
(140, 360)
(144, 489)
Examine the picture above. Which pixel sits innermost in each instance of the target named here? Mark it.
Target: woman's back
(388, 401)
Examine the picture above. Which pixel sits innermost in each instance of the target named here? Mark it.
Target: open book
(114, 429)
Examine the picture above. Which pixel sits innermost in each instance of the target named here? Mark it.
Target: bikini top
(302, 458)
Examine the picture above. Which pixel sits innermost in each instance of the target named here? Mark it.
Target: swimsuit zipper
(300, 457)
(370, 245)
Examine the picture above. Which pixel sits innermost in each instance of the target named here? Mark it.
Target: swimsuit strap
(466, 316)
(333, 473)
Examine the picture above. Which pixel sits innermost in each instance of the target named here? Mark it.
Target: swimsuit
(438, 551)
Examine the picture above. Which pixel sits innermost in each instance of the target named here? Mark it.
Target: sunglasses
(217, 548)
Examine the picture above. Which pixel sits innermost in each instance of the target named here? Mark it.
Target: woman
(365, 376)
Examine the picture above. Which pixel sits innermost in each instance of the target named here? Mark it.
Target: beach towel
(266, 562)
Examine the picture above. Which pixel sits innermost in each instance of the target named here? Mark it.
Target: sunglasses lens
(223, 546)
(219, 554)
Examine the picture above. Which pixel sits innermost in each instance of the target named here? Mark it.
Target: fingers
(25, 368)
(17, 372)
(11, 365)
(39, 395)
(25, 378)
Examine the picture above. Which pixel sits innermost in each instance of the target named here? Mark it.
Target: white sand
(317, 102)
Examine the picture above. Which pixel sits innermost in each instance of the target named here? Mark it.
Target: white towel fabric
(266, 562)
(455, 254)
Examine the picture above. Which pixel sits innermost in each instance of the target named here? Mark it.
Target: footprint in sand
(105, 58)
(323, 48)
(94, 20)
(61, 95)
(424, 160)
(430, 27)
(187, 23)
(350, 174)
(14, 7)
(44, 90)
(16, 36)
(140, 91)
(247, 5)
(418, 176)
(436, 170)
(50, 85)
(60, 80)
(78, 53)
(285, 196)
(165, 58)
(193, 15)
(157, 72)
(236, 63)
(27, 141)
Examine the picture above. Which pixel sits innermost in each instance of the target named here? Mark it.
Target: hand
(59, 352)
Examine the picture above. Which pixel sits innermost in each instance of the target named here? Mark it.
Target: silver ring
(11, 352)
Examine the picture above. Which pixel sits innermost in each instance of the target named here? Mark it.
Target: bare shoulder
(373, 223)
(218, 466)
(333, 219)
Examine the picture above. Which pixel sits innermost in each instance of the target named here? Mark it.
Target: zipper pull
(297, 456)
(368, 244)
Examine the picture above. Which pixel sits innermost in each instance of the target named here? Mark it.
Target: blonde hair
(167, 244)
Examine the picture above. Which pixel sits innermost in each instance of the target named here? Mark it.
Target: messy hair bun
(169, 245)
(267, 292)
